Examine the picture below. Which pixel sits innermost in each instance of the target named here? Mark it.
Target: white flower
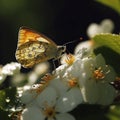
(82, 78)
(34, 113)
(87, 46)
(93, 29)
(67, 77)
(106, 26)
(30, 93)
(47, 105)
(11, 68)
(92, 76)
(95, 85)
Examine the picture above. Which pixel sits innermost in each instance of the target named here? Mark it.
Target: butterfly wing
(34, 48)
(26, 35)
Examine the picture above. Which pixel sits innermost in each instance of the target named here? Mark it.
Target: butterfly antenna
(73, 41)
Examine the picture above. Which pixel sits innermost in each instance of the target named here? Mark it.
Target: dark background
(61, 20)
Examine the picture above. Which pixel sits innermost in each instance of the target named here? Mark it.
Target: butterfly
(34, 47)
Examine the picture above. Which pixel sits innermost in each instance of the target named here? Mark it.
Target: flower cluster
(81, 79)
(9, 70)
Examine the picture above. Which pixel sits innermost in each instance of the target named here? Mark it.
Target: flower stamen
(73, 82)
(98, 74)
(49, 111)
(70, 59)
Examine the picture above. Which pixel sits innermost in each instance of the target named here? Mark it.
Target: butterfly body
(34, 48)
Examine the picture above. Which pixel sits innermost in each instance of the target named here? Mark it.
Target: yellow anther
(70, 59)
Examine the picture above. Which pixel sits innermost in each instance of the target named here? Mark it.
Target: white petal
(59, 85)
(11, 68)
(28, 96)
(106, 94)
(90, 91)
(60, 70)
(107, 25)
(74, 70)
(64, 116)
(99, 61)
(83, 45)
(48, 95)
(87, 64)
(32, 113)
(111, 75)
(93, 29)
(69, 100)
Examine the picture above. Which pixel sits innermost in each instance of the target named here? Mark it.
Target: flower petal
(32, 113)
(11, 68)
(28, 96)
(69, 100)
(59, 85)
(106, 94)
(99, 61)
(90, 91)
(48, 95)
(111, 75)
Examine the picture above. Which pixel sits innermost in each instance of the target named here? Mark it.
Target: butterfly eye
(60, 51)
(64, 48)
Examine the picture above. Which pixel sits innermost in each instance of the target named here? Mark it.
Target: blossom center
(98, 74)
(70, 59)
(49, 112)
(73, 82)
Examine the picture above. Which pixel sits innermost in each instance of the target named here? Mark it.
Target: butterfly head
(60, 51)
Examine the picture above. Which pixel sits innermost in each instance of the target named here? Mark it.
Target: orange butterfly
(34, 47)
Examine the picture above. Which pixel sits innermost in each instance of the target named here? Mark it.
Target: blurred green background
(61, 20)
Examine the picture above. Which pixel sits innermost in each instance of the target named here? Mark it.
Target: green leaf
(111, 41)
(114, 4)
(109, 47)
